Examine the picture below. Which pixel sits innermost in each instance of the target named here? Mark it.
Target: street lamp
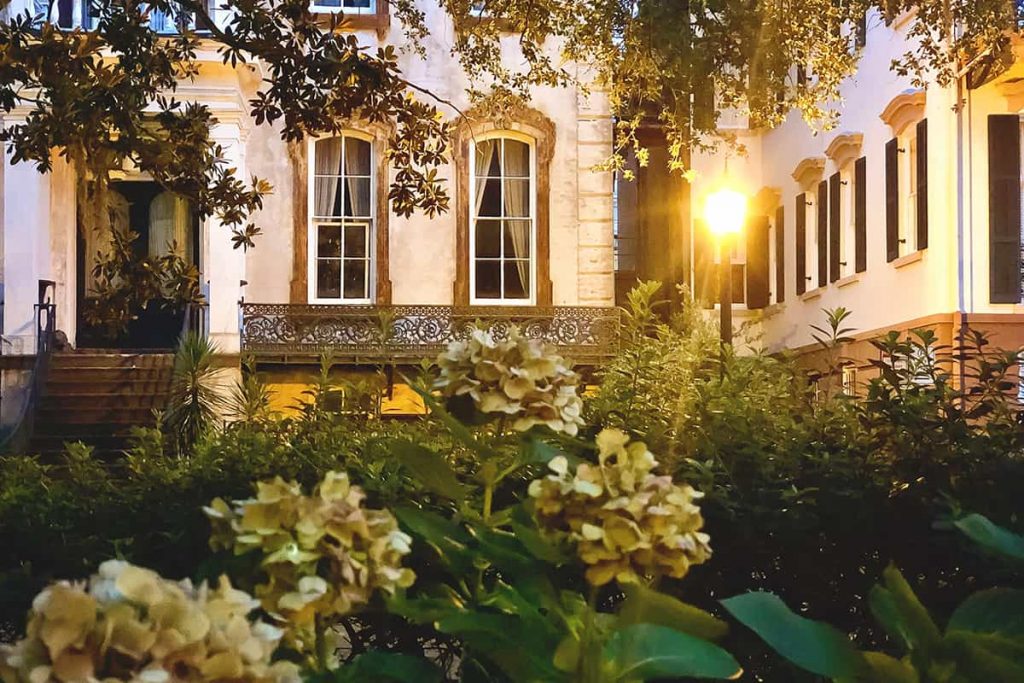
(725, 210)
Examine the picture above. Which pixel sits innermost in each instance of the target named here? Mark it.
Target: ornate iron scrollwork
(385, 334)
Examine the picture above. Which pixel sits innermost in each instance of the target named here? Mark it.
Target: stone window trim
(524, 122)
(845, 148)
(904, 111)
(808, 173)
(300, 154)
(379, 20)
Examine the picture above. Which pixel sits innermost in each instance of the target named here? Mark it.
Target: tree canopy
(104, 96)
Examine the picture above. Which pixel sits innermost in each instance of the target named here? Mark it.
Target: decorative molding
(1013, 91)
(809, 172)
(848, 280)
(298, 154)
(530, 122)
(904, 110)
(912, 257)
(766, 201)
(391, 334)
(844, 148)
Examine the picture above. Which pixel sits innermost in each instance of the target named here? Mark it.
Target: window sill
(904, 261)
(847, 281)
(812, 294)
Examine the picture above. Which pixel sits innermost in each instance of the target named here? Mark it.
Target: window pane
(357, 4)
(328, 155)
(517, 279)
(517, 159)
(517, 198)
(328, 241)
(328, 278)
(488, 279)
(517, 239)
(327, 3)
(357, 157)
(488, 239)
(357, 197)
(487, 158)
(327, 194)
(488, 197)
(355, 279)
(355, 241)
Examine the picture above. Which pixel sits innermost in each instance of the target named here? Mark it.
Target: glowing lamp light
(725, 210)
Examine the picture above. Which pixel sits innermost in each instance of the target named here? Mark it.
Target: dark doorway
(164, 223)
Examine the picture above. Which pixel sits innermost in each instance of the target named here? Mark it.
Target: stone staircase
(96, 397)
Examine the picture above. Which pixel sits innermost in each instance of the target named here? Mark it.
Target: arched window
(503, 225)
(341, 210)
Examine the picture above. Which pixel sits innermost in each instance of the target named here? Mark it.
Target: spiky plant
(196, 401)
(250, 397)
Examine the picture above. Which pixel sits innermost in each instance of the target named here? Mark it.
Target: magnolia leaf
(644, 651)
(811, 645)
(430, 469)
(998, 610)
(644, 605)
(388, 667)
(993, 537)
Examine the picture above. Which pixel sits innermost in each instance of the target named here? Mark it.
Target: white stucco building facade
(329, 238)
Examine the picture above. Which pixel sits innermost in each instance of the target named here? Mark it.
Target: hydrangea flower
(519, 377)
(626, 522)
(130, 624)
(323, 554)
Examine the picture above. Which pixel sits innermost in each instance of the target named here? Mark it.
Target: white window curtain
(169, 226)
(329, 172)
(517, 203)
(99, 243)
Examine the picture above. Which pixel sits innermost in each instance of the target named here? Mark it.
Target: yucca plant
(197, 403)
(250, 397)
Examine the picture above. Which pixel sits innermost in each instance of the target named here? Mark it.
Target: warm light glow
(725, 210)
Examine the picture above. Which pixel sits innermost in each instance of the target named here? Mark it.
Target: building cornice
(809, 172)
(904, 110)
(844, 148)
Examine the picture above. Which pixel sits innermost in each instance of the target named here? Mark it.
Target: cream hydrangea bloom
(129, 624)
(625, 521)
(323, 554)
(520, 377)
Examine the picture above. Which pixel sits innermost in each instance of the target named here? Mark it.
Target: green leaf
(644, 651)
(539, 546)
(644, 605)
(447, 538)
(430, 469)
(886, 669)
(980, 659)
(917, 624)
(388, 667)
(520, 649)
(998, 610)
(811, 645)
(991, 536)
(885, 611)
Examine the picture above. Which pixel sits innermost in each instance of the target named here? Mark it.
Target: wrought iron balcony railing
(408, 334)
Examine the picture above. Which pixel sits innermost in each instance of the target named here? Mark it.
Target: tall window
(502, 221)
(847, 220)
(811, 237)
(341, 225)
(908, 180)
(346, 6)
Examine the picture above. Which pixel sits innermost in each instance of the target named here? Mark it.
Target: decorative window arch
(502, 255)
(341, 219)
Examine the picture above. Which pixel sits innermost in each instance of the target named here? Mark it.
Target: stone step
(111, 400)
(111, 360)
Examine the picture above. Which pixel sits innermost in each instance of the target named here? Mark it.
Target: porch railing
(397, 334)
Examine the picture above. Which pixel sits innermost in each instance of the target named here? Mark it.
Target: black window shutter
(822, 232)
(780, 254)
(705, 274)
(860, 214)
(892, 200)
(1004, 208)
(862, 30)
(801, 243)
(922, 184)
(757, 262)
(834, 228)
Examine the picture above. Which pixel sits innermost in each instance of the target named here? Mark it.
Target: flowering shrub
(324, 555)
(519, 377)
(626, 522)
(131, 624)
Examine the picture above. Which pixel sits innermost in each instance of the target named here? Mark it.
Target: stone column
(224, 266)
(26, 253)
